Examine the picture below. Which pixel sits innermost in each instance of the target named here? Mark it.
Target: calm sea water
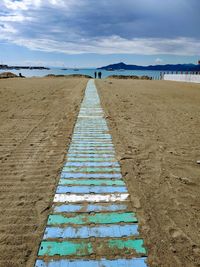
(41, 73)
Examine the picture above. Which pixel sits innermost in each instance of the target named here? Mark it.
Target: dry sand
(37, 118)
(156, 130)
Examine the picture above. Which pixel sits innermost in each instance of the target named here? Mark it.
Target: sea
(59, 71)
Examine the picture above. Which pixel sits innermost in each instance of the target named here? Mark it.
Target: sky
(92, 33)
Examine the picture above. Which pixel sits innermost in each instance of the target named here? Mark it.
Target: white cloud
(111, 45)
(158, 60)
(24, 5)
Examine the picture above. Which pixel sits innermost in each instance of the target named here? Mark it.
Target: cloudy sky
(93, 33)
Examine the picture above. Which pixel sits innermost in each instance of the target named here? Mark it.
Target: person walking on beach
(95, 75)
(99, 75)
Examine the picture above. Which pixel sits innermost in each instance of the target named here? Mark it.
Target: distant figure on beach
(99, 75)
(21, 76)
(95, 75)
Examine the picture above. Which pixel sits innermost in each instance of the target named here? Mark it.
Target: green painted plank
(91, 182)
(85, 248)
(136, 245)
(102, 218)
(66, 248)
(90, 169)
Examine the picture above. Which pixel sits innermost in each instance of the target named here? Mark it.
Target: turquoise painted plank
(66, 248)
(85, 248)
(90, 169)
(137, 245)
(98, 218)
(91, 182)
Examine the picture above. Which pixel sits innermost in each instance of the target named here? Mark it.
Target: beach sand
(37, 118)
(156, 131)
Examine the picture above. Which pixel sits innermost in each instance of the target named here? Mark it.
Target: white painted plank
(72, 198)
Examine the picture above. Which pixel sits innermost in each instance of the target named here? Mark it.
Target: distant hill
(168, 67)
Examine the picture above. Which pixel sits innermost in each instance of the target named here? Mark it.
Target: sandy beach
(156, 131)
(37, 118)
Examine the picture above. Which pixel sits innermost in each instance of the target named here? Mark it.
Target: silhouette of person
(95, 75)
(99, 75)
(21, 76)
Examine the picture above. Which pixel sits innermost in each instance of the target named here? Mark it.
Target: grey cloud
(90, 21)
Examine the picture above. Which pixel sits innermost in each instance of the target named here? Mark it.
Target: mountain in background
(168, 67)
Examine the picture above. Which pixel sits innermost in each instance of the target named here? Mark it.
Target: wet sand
(156, 131)
(37, 118)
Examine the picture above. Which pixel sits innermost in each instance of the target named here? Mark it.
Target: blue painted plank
(92, 151)
(91, 175)
(82, 131)
(94, 141)
(91, 135)
(90, 124)
(91, 143)
(88, 145)
(102, 231)
(89, 148)
(89, 155)
(94, 135)
(81, 135)
(135, 262)
(90, 189)
(90, 127)
(90, 159)
(92, 164)
(88, 208)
